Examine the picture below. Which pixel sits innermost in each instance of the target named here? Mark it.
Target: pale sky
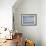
(6, 13)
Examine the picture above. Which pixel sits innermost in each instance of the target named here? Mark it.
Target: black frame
(34, 16)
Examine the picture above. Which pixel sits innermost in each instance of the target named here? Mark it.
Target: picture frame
(28, 19)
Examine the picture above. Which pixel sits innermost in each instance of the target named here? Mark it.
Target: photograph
(29, 19)
(22, 22)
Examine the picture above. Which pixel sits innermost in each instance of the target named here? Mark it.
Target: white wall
(43, 22)
(6, 13)
(32, 6)
(30, 32)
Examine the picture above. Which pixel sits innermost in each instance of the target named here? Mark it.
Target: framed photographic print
(29, 19)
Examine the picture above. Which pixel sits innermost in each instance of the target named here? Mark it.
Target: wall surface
(29, 32)
(43, 22)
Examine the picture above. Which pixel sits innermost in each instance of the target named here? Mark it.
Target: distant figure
(18, 40)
